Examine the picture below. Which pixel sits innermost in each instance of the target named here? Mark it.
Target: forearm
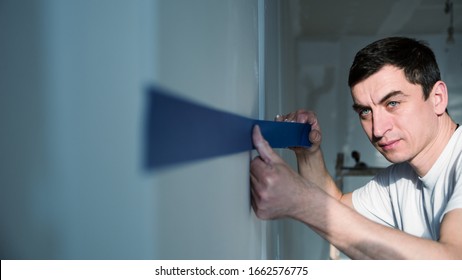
(360, 238)
(311, 166)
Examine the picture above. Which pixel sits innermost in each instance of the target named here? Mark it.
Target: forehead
(387, 79)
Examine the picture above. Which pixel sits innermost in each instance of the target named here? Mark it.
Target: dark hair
(414, 57)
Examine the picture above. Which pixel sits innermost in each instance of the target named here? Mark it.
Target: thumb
(263, 147)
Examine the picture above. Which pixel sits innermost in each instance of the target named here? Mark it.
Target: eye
(392, 104)
(364, 112)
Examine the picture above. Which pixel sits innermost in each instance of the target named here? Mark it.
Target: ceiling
(333, 19)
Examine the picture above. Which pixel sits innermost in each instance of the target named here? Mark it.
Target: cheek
(420, 131)
(420, 122)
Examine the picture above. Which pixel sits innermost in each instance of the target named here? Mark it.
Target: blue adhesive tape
(178, 131)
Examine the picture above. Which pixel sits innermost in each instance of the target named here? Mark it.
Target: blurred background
(73, 79)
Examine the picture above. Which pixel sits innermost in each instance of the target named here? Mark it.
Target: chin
(394, 158)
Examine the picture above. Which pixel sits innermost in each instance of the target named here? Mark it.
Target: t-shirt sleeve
(455, 201)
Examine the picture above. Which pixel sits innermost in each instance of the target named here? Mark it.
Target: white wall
(72, 79)
(208, 51)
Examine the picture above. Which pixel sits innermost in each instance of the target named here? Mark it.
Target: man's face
(393, 113)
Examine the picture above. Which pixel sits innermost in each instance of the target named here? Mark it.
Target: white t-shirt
(399, 198)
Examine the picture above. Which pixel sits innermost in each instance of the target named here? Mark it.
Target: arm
(278, 191)
(360, 238)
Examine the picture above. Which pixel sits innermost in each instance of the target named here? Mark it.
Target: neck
(423, 162)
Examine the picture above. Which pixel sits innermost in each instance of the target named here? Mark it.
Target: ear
(439, 95)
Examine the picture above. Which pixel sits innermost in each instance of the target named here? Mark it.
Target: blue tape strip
(180, 131)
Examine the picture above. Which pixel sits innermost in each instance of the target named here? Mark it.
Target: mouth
(389, 145)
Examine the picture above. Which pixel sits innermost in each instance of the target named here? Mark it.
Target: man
(412, 210)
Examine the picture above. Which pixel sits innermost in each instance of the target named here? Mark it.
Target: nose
(381, 123)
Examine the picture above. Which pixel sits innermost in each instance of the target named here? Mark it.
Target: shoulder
(450, 161)
(454, 146)
(387, 181)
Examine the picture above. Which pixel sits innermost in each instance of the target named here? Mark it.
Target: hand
(276, 188)
(302, 116)
(310, 161)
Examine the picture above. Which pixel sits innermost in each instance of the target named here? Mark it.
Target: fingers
(269, 177)
(315, 137)
(280, 118)
(311, 118)
(291, 117)
(300, 116)
(264, 149)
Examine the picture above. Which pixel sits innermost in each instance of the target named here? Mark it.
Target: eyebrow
(390, 95)
(358, 107)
